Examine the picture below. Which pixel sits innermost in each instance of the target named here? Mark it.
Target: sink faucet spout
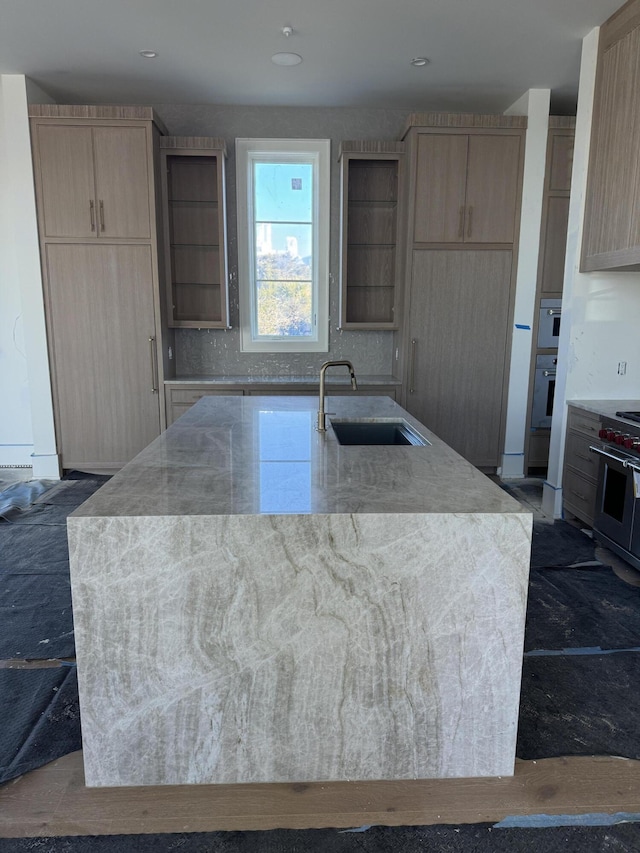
(354, 385)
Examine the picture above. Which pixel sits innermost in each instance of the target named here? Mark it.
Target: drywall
(599, 310)
(535, 105)
(217, 351)
(26, 423)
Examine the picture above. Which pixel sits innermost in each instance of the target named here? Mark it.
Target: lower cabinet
(458, 337)
(180, 399)
(580, 474)
(102, 338)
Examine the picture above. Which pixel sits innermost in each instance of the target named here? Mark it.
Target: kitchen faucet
(344, 363)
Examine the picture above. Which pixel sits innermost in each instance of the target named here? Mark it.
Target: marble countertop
(606, 408)
(333, 378)
(262, 455)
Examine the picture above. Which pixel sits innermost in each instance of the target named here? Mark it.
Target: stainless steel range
(617, 515)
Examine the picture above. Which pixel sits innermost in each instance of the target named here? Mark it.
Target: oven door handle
(624, 462)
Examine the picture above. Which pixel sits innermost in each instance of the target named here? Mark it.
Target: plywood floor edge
(53, 800)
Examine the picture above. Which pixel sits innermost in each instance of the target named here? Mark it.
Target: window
(283, 244)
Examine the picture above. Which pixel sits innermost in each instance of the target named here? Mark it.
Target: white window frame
(318, 152)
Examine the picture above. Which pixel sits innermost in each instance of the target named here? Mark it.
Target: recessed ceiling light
(419, 61)
(286, 58)
(148, 54)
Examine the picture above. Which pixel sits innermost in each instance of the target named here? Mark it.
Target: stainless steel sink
(377, 432)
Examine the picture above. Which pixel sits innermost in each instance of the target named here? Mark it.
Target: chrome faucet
(344, 363)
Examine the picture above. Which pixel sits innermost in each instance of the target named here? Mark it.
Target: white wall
(26, 413)
(535, 105)
(599, 310)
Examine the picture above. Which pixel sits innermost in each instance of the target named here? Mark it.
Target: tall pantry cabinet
(94, 171)
(465, 180)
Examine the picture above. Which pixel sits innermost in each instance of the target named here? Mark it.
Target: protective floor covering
(35, 593)
(35, 616)
(581, 608)
(475, 838)
(40, 719)
(560, 544)
(580, 705)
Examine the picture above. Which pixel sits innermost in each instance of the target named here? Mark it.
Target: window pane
(284, 308)
(283, 192)
(293, 239)
(283, 251)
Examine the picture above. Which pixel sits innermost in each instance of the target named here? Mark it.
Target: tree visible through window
(283, 235)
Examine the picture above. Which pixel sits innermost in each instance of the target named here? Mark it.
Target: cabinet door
(122, 182)
(100, 313)
(441, 174)
(611, 220)
(492, 189)
(67, 196)
(459, 334)
(554, 244)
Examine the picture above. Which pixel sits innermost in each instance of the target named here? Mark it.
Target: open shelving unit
(193, 190)
(371, 255)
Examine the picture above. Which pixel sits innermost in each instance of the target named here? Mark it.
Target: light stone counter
(607, 408)
(255, 603)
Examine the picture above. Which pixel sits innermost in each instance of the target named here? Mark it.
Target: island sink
(254, 603)
(377, 432)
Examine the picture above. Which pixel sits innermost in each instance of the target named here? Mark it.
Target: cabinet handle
(412, 370)
(578, 495)
(154, 366)
(586, 458)
(461, 225)
(101, 214)
(469, 221)
(92, 214)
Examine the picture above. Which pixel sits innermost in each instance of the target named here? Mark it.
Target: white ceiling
(484, 53)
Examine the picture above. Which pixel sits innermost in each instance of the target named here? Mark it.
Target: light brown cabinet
(580, 473)
(611, 237)
(94, 181)
(464, 179)
(372, 178)
(94, 177)
(466, 188)
(458, 335)
(100, 304)
(194, 213)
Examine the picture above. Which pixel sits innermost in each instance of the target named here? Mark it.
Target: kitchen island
(254, 602)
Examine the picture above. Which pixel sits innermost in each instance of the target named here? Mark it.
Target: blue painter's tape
(522, 326)
(595, 650)
(545, 820)
(364, 828)
(551, 486)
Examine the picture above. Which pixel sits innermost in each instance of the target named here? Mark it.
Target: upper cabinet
(371, 233)
(612, 208)
(94, 181)
(193, 195)
(466, 187)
